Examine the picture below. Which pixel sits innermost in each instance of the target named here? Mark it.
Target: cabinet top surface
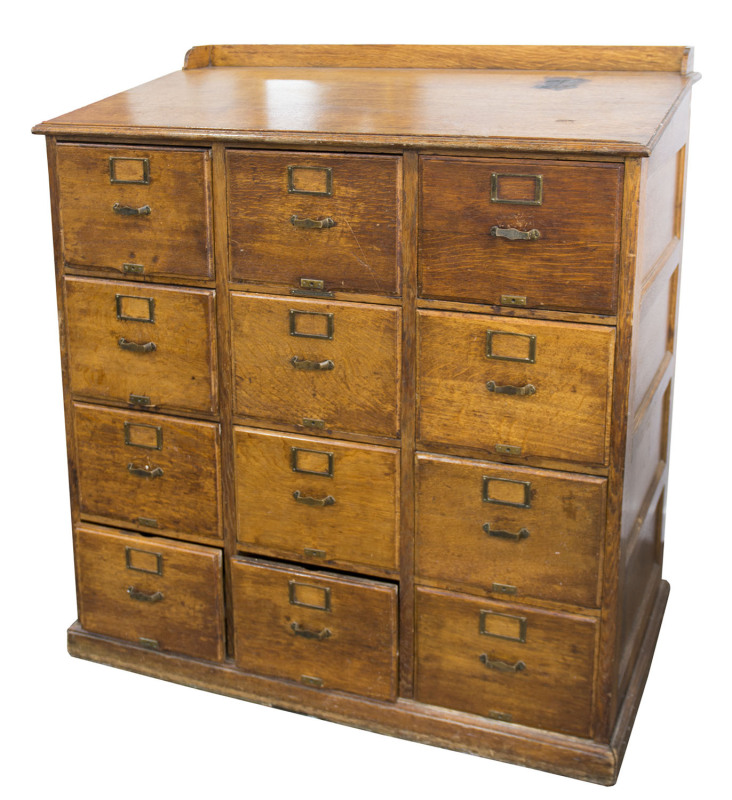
(610, 112)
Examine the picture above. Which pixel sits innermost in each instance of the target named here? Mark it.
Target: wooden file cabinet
(368, 359)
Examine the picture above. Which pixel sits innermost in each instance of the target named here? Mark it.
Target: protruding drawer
(158, 473)
(317, 364)
(514, 387)
(139, 212)
(162, 595)
(147, 347)
(500, 530)
(328, 220)
(317, 500)
(507, 662)
(540, 234)
(322, 630)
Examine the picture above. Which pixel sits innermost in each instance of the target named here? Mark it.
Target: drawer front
(488, 383)
(145, 590)
(476, 215)
(137, 212)
(336, 365)
(507, 662)
(488, 528)
(317, 216)
(158, 473)
(145, 346)
(320, 630)
(317, 500)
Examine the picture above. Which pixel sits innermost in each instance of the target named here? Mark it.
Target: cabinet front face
(142, 346)
(317, 364)
(315, 217)
(136, 212)
(492, 385)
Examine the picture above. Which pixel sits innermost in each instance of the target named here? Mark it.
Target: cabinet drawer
(490, 528)
(145, 346)
(469, 206)
(518, 387)
(336, 365)
(319, 216)
(507, 662)
(317, 500)
(138, 212)
(321, 630)
(143, 472)
(163, 595)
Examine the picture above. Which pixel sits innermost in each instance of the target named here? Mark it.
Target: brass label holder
(327, 174)
(129, 426)
(537, 200)
(129, 551)
(525, 485)
(292, 587)
(144, 179)
(487, 616)
(295, 451)
(119, 300)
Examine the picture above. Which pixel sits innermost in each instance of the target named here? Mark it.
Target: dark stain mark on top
(559, 84)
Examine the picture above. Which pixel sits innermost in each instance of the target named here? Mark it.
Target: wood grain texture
(572, 266)
(359, 194)
(173, 240)
(571, 377)
(360, 393)
(348, 642)
(179, 374)
(133, 588)
(554, 552)
(358, 531)
(143, 472)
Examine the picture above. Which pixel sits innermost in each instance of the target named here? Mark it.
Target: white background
(75, 728)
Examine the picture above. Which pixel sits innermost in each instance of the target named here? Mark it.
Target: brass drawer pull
(134, 347)
(514, 537)
(136, 594)
(523, 391)
(513, 233)
(313, 501)
(304, 222)
(306, 634)
(303, 363)
(144, 472)
(502, 666)
(129, 211)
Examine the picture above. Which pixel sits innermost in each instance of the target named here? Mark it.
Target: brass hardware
(303, 363)
(501, 716)
(308, 680)
(498, 534)
(150, 308)
(304, 222)
(328, 324)
(488, 499)
(513, 234)
(145, 163)
(133, 269)
(503, 588)
(508, 450)
(129, 551)
(313, 423)
(130, 426)
(134, 347)
(312, 284)
(307, 293)
(144, 472)
(501, 666)
(136, 594)
(129, 211)
(490, 346)
(310, 552)
(313, 501)
(513, 300)
(523, 391)
(328, 192)
(538, 189)
(147, 522)
(151, 644)
(487, 616)
(139, 400)
(307, 634)
(328, 473)
(292, 593)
